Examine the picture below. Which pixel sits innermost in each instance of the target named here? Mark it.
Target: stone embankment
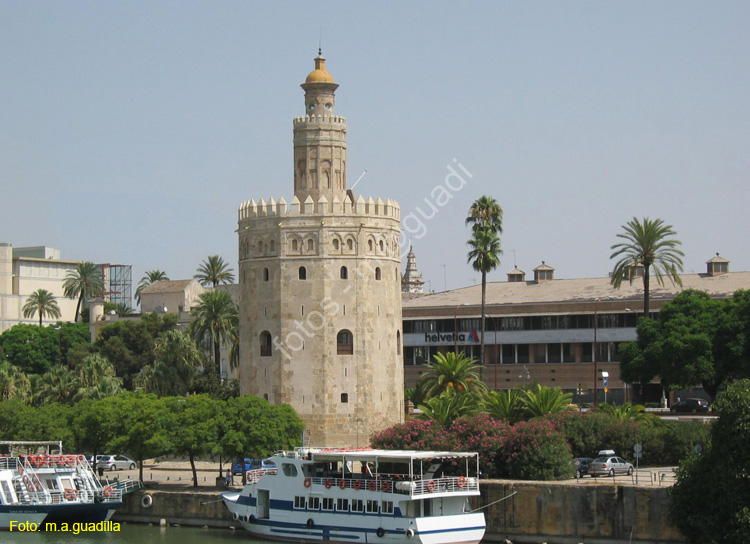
(602, 511)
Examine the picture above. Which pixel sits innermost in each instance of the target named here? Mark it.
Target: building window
(344, 273)
(336, 245)
(350, 244)
(398, 342)
(295, 245)
(377, 273)
(265, 396)
(344, 343)
(265, 274)
(302, 273)
(369, 245)
(310, 245)
(265, 344)
(344, 398)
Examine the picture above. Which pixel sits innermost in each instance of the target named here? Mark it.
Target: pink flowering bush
(535, 450)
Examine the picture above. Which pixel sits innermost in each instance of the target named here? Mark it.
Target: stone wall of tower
(320, 157)
(342, 397)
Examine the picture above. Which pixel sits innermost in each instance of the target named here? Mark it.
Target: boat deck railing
(413, 488)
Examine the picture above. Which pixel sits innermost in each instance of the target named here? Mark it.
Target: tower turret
(320, 140)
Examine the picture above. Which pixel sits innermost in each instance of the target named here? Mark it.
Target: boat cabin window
(313, 503)
(288, 469)
(67, 483)
(327, 503)
(342, 505)
(386, 507)
(372, 506)
(358, 505)
(51, 484)
(299, 502)
(6, 495)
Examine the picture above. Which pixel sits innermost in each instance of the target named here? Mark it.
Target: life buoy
(308, 482)
(71, 494)
(461, 481)
(328, 483)
(372, 485)
(310, 523)
(146, 500)
(37, 483)
(32, 459)
(342, 484)
(386, 486)
(357, 485)
(27, 483)
(20, 468)
(409, 533)
(431, 485)
(380, 532)
(108, 493)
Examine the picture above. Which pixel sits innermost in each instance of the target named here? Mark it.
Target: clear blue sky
(130, 132)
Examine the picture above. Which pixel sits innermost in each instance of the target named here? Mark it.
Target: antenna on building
(358, 180)
(515, 265)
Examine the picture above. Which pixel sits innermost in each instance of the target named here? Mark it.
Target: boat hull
(41, 515)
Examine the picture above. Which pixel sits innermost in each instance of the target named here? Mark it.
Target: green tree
(83, 282)
(195, 430)
(41, 302)
(96, 379)
(94, 425)
(141, 423)
(214, 320)
(35, 350)
(627, 412)
(505, 405)
(695, 340)
(486, 220)
(214, 271)
(450, 406)
(542, 400)
(648, 243)
(451, 371)
(58, 385)
(177, 358)
(152, 276)
(254, 428)
(719, 476)
(14, 384)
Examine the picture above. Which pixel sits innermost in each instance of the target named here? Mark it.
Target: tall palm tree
(14, 384)
(214, 271)
(484, 257)
(648, 243)
(85, 281)
(42, 302)
(486, 220)
(152, 276)
(213, 321)
(451, 372)
(543, 400)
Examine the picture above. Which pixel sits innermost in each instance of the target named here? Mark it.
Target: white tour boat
(366, 495)
(41, 490)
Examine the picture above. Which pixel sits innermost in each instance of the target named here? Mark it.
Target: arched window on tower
(350, 244)
(265, 344)
(377, 273)
(344, 343)
(398, 342)
(272, 246)
(295, 245)
(302, 273)
(310, 245)
(369, 245)
(344, 273)
(265, 274)
(344, 398)
(336, 245)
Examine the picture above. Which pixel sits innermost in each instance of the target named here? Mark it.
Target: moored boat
(39, 490)
(366, 495)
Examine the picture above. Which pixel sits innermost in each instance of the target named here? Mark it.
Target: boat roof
(396, 455)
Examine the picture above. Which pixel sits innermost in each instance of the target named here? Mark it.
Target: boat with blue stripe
(362, 495)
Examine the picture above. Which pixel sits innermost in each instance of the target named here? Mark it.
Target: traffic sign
(637, 455)
(606, 388)
(638, 448)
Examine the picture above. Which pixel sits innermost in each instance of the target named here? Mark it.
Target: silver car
(609, 466)
(114, 462)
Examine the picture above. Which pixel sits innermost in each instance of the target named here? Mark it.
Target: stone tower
(412, 281)
(320, 304)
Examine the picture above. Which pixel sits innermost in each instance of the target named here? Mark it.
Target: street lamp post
(596, 373)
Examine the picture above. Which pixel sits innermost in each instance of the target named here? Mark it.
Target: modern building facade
(562, 332)
(320, 289)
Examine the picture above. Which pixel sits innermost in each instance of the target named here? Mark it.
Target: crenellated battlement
(273, 208)
(333, 119)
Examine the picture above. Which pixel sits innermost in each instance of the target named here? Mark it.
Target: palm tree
(214, 271)
(484, 257)
(123, 308)
(96, 379)
(543, 400)
(14, 384)
(57, 385)
(85, 281)
(451, 372)
(42, 302)
(627, 412)
(505, 405)
(449, 406)
(152, 276)
(214, 320)
(486, 214)
(650, 244)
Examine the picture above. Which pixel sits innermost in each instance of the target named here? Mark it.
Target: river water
(133, 533)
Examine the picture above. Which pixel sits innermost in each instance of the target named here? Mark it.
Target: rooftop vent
(543, 273)
(717, 265)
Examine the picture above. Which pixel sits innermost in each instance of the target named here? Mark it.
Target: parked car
(251, 464)
(582, 465)
(609, 466)
(113, 462)
(690, 405)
